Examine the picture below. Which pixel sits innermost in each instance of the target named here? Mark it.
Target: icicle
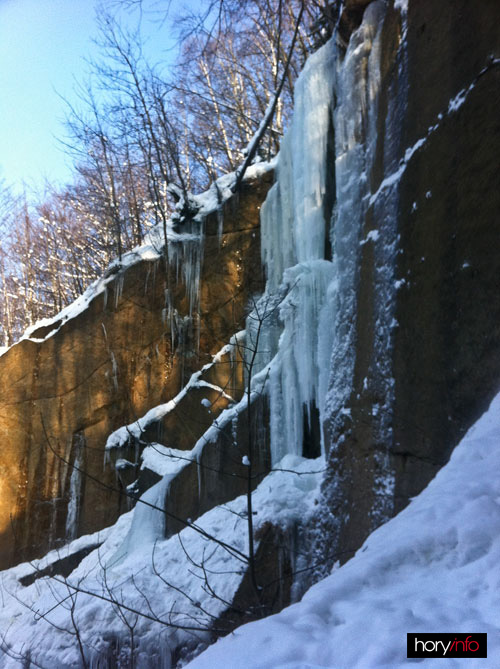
(75, 485)
(119, 288)
(191, 272)
(233, 352)
(198, 472)
(234, 429)
(52, 522)
(114, 367)
(186, 255)
(146, 280)
(106, 459)
(220, 224)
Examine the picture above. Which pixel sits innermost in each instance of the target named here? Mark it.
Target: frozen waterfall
(312, 254)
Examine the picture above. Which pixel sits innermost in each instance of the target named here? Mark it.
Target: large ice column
(294, 236)
(314, 365)
(292, 217)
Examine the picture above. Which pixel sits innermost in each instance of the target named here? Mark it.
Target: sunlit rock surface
(128, 351)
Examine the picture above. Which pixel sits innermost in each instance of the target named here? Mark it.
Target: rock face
(62, 396)
(445, 360)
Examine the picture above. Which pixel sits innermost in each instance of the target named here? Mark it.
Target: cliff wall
(131, 348)
(433, 202)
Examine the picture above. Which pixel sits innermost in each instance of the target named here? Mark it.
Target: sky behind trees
(43, 46)
(148, 118)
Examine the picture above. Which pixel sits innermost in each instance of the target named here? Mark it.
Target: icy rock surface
(355, 119)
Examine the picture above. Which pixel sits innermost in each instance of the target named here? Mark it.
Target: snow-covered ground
(433, 568)
(139, 571)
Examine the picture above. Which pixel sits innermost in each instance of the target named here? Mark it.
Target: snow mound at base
(433, 568)
(165, 581)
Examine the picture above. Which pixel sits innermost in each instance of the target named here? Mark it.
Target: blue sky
(43, 44)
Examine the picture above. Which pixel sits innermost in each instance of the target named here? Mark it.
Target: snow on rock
(402, 5)
(150, 250)
(432, 568)
(11, 576)
(122, 464)
(220, 191)
(212, 386)
(373, 236)
(178, 597)
(126, 433)
(164, 460)
(148, 522)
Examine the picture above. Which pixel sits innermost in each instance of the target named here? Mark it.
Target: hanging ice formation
(294, 237)
(312, 252)
(186, 255)
(75, 486)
